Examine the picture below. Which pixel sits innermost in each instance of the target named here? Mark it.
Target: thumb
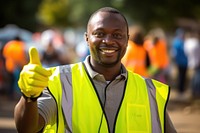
(34, 56)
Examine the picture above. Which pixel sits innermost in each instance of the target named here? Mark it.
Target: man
(97, 95)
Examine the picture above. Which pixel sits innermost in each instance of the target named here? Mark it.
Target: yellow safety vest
(134, 115)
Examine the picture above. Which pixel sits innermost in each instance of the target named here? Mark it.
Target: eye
(99, 34)
(117, 35)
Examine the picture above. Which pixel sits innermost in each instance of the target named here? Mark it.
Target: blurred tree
(151, 13)
(62, 13)
(19, 12)
(53, 12)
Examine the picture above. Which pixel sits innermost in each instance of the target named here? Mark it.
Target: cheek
(93, 41)
(124, 48)
(90, 39)
(123, 51)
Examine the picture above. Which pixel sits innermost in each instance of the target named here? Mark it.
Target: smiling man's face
(107, 37)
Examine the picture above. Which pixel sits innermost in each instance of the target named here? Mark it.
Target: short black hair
(111, 10)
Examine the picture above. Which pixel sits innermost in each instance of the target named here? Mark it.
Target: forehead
(107, 20)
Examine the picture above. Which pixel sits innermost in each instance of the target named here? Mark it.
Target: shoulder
(135, 75)
(61, 69)
(59, 72)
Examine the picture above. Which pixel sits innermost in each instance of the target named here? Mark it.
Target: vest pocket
(137, 120)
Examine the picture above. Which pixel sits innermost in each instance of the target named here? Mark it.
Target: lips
(106, 50)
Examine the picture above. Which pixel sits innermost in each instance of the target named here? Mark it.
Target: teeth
(108, 51)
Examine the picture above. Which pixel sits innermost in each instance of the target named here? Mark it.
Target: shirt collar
(93, 73)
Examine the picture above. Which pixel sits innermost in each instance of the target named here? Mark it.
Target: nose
(108, 39)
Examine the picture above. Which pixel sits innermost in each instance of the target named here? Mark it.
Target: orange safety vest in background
(15, 56)
(157, 53)
(135, 59)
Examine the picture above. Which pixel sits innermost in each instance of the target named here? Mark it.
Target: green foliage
(61, 13)
(53, 12)
(163, 13)
(70, 12)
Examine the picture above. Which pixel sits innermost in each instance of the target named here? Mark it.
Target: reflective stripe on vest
(87, 114)
(162, 96)
(158, 100)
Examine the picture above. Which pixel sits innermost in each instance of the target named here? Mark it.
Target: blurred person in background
(55, 51)
(180, 60)
(51, 56)
(4, 75)
(156, 47)
(192, 50)
(14, 52)
(136, 57)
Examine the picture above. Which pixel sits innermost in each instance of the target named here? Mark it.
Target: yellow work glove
(33, 77)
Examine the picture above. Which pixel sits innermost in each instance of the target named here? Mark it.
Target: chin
(109, 64)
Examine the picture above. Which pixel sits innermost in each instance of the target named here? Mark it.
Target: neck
(109, 73)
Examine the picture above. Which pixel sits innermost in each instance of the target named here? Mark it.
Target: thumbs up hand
(33, 77)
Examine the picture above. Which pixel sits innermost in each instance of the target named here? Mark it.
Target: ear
(86, 37)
